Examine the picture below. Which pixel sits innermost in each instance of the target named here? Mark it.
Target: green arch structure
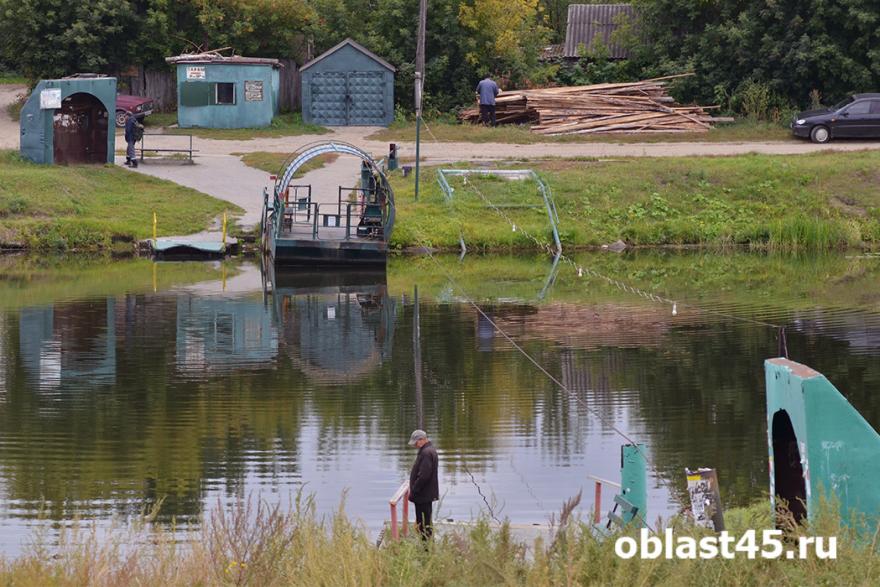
(820, 445)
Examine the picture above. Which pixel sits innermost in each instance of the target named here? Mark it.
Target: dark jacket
(131, 130)
(423, 484)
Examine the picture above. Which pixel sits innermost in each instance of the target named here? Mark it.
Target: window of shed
(224, 93)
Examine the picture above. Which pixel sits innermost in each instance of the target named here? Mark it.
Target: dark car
(137, 105)
(857, 117)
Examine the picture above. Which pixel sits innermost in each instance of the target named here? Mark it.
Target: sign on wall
(50, 99)
(253, 91)
(195, 72)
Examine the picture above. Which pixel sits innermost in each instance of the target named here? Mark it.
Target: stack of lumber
(637, 107)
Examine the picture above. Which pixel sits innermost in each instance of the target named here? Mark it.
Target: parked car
(137, 105)
(856, 117)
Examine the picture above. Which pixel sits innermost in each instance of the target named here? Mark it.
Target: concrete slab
(223, 176)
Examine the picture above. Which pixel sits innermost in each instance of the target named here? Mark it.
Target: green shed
(69, 120)
(226, 92)
(348, 86)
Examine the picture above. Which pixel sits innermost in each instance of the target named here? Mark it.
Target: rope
(480, 491)
(581, 269)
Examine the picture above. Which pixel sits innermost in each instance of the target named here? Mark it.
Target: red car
(137, 105)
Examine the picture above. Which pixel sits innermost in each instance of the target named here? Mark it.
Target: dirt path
(432, 151)
(9, 130)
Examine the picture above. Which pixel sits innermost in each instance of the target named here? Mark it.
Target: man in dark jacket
(424, 488)
(133, 133)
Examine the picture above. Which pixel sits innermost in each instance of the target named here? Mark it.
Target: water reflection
(337, 327)
(208, 388)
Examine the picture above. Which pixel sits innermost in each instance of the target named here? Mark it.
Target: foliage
(270, 545)
(595, 67)
(794, 50)
(790, 46)
(503, 37)
(49, 38)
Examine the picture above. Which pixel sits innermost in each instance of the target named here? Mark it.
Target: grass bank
(810, 202)
(283, 125)
(271, 162)
(519, 134)
(268, 546)
(89, 207)
(12, 79)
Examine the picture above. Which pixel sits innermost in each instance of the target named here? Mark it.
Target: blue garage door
(367, 91)
(329, 98)
(353, 98)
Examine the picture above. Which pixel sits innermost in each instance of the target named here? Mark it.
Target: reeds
(258, 544)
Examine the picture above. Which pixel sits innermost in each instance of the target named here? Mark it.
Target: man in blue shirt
(486, 92)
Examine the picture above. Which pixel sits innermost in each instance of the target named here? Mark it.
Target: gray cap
(416, 436)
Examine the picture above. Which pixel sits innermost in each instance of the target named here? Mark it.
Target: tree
(53, 38)
(791, 46)
(503, 36)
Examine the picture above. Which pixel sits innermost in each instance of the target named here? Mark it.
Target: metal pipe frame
(546, 194)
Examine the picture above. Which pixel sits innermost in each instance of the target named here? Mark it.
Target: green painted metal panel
(37, 124)
(196, 93)
(634, 482)
(819, 443)
(163, 245)
(367, 91)
(255, 86)
(329, 98)
(366, 98)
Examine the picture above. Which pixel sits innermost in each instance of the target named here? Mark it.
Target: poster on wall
(195, 72)
(253, 91)
(50, 99)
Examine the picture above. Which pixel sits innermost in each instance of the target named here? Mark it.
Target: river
(123, 382)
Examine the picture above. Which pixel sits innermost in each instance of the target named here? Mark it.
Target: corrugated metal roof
(588, 22)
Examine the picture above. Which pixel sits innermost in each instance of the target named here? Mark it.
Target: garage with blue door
(348, 86)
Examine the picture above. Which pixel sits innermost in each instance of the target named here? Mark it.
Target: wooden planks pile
(637, 107)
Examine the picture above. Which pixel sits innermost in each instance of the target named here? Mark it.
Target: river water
(125, 382)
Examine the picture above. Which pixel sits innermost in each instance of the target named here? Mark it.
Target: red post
(597, 511)
(394, 533)
(406, 513)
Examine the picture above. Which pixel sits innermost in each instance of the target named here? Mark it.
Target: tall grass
(799, 233)
(266, 545)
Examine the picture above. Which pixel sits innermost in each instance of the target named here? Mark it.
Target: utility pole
(420, 77)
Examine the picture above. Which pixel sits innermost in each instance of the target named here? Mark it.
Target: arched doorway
(788, 472)
(80, 130)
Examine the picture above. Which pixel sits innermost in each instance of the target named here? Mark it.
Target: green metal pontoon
(353, 229)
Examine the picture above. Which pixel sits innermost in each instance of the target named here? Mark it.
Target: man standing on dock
(487, 89)
(424, 488)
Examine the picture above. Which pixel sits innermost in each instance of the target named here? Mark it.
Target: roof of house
(351, 43)
(217, 59)
(589, 23)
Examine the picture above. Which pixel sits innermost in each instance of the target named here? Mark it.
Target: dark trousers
(487, 114)
(423, 520)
